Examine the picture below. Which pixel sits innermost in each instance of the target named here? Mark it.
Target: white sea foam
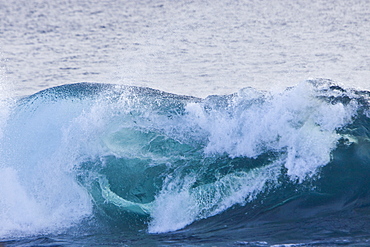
(294, 121)
(179, 204)
(39, 192)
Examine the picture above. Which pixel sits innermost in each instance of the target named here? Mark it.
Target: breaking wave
(141, 159)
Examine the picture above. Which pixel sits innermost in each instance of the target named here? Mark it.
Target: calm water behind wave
(187, 47)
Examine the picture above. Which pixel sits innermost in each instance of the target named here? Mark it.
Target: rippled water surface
(187, 47)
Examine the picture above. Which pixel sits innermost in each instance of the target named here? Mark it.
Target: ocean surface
(184, 123)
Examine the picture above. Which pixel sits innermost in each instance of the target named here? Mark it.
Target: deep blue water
(101, 164)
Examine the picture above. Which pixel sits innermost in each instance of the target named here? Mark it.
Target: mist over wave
(139, 159)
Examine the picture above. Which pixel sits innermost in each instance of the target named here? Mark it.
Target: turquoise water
(93, 164)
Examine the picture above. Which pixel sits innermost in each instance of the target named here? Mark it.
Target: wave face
(134, 159)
